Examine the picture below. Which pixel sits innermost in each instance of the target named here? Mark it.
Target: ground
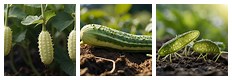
(15, 64)
(190, 66)
(97, 61)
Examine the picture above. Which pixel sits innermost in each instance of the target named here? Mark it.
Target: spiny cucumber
(46, 47)
(72, 45)
(7, 40)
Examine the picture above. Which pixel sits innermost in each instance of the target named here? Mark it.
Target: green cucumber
(98, 35)
(205, 46)
(178, 43)
(7, 40)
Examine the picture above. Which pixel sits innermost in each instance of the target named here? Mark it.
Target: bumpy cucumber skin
(72, 45)
(205, 46)
(46, 47)
(7, 40)
(98, 35)
(178, 43)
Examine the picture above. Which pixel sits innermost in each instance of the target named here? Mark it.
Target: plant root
(113, 67)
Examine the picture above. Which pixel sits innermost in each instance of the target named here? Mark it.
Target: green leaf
(66, 64)
(48, 15)
(122, 8)
(21, 36)
(17, 13)
(31, 20)
(33, 5)
(55, 7)
(69, 8)
(62, 20)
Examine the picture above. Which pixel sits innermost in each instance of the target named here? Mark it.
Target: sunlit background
(131, 18)
(210, 19)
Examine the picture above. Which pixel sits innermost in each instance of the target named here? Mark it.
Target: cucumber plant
(31, 42)
(98, 35)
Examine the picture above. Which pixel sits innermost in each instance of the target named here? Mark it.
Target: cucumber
(46, 47)
(206, 46)
(178, 42)
(98, 35)
(7, 40)
(72, 45)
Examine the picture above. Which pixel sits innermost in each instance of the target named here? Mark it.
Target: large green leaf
(48, 15)
(66, 64)
(17, 13)
(69, 8)
(21, 36)
(62, 20)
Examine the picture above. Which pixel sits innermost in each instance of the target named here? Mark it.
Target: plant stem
(7, 13)
(44, 21)
(74, 22)
(12, 63)
(11, 55)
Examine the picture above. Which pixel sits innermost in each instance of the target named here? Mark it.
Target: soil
(190, 66)
(15, 65)
(95, 61)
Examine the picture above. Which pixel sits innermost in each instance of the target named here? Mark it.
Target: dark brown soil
(96, 61)
(190, 66)
(17, 64)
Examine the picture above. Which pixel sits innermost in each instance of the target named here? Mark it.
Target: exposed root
(202, 56)
(113, 67)
(218, 56)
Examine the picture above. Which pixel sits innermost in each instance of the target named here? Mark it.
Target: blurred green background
(131, 18)
(210, 19)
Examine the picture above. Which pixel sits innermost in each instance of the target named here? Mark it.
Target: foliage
(25, 22)
(211, 20)
(125, 17)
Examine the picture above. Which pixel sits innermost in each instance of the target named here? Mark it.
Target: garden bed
(99, 61)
